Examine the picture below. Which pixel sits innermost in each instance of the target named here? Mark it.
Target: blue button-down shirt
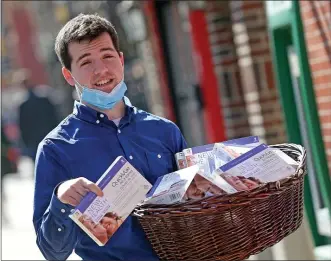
(84, 145)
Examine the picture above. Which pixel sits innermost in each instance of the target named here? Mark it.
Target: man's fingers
(72, 191)
(72, 201)
(82, 191)
(94, 188)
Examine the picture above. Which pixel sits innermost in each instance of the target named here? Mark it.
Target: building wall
(316, 18)
(239, 44)
(227, 69)
(251, 37)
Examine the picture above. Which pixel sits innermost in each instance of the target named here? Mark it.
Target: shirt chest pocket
(159, 164)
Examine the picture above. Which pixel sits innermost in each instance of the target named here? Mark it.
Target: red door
(213, 116)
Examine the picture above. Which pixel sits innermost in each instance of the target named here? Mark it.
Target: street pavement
(18, 238)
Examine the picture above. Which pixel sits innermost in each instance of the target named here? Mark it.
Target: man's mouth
(103, 82)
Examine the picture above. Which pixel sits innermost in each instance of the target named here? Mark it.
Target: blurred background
(219, 69)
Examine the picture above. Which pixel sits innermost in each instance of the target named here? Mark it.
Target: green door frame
(285, 29)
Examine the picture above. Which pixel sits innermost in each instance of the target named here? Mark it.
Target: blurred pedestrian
(37, 117)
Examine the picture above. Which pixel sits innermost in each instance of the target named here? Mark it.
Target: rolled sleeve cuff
(59, 209)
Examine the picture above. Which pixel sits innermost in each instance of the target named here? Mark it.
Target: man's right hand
(72, 191)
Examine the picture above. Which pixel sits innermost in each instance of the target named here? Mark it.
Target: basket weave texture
(231, 227)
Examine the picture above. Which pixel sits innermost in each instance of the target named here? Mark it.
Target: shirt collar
(89, 114)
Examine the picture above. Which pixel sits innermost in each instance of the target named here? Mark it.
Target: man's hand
(72, 191)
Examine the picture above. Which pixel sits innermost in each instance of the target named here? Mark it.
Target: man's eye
(85, 63)
(108, 56)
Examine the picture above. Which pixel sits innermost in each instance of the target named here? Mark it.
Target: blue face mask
(100, 99)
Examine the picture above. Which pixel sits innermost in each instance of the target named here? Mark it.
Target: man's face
(95, 64)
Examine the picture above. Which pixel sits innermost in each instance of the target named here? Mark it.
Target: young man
(103, 125)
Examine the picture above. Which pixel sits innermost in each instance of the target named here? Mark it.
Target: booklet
(226, 151)
(261, 163)
(180, 160)
(244, 141)
(171, 188)
(202, 156)
(123, 187)
(211, 156)
(287, 158)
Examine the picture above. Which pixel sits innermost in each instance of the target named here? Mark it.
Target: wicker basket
(231, 227)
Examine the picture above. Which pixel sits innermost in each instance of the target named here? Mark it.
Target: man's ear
(67, 75)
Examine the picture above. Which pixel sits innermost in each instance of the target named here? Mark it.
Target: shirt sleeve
(56, 232)
(180, 142)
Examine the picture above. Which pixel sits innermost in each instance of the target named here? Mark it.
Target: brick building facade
(316, 18)
(252, 44)
(239, 40)
(227, 68)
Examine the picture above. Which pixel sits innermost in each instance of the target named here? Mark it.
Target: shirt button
(59, 229)
(101, 115)
(119, 131)
(63, 210)
(130, 157)
(97, 121)
(159, 156)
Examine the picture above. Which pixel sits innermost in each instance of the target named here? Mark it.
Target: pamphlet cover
(202, 156)
(244, 141)
(226, 151)
(211, 156)
(261, 163)
(171, 188)
(123, 187)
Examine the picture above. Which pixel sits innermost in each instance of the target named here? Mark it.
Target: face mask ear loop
(79, 88)
(79, 92)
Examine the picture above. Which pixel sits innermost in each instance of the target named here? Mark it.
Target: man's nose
(100, 67)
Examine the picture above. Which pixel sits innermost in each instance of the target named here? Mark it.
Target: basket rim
(241, 198)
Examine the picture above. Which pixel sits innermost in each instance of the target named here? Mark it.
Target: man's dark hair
(82, 27)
